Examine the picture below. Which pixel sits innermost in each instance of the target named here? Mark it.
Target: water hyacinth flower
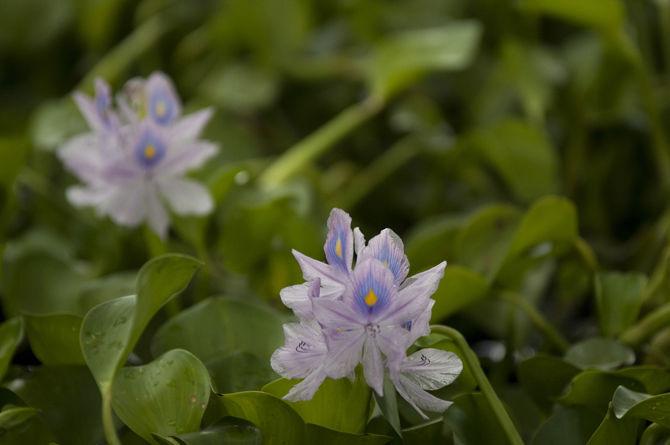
(133, 160)
(364, 312)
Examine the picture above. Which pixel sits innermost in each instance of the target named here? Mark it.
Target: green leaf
(602, 14)
(429, 242)
(459, 287)
(388, 405)
(425, 433)
(619, 298)
(239, 371)
(403, 58)
(240, 88)
(11, 333)
(56, 121)
(629, 403)
(595, 389)
(600, 353)
(110, 330)
(551, 219)
(278, 423)
(54, 338)
(484, 240)
(324, 436)
(615, 431)
(13, 417)
(221, 326)
(568, 426)
(545, 377)
(68, 401)
(473, 421)
(338, 404)
(512, 146)
(228, 430)
(167, 396)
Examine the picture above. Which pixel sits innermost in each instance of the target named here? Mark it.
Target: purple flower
(367, 313)
(133, 161)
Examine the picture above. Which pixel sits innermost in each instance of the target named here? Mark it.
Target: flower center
(370, 298)
(338, 248)
(372, 329)
(161, 108)
(149, 151)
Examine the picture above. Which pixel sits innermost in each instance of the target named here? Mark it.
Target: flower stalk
(472, 362)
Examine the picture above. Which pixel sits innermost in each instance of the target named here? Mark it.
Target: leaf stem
(538, 320)
(472, 362)
(648, 326)
(318, 143)
(108, 417)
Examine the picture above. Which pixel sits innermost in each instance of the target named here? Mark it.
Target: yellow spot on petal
(338, 248)
(386, 263)
(371, 298)
(149, 151)
(161, 109)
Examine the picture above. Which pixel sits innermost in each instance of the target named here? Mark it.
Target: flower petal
(186, 197)
(373, 290)
(388, 248)
(303, 351)
(126, 205)
(432, 368)
(298, 298)
(417, 397)
(183, 156)
(305, 390)
(337, 314)
(81, 156)
(414, 295)
(163, 104)
(190, 126)
(339, 241)
(345, 348)
(373, 366)
(333, 283)
(157, 216)
(359, 241)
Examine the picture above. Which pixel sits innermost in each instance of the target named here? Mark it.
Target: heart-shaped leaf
(629, 403)
(599, 353)
(339, 404)
(167, 396)
(54, 338)
(228, 430)
(11, 333)
(619, 298)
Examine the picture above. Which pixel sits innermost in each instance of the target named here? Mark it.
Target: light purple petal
(163, 104)
(373, 289)
(337, 314)
(359, 241)
(157, 216)
(297, 298)
(388, 248)
(432, 368)
(417, 397)
(392, 341)
(190, 126)
(373, 365)
(184, 156)
(344, 351)
(126, 206)
(303, 351)
(81, 156)
(88, 196)
(421, 325)
(305, 390)
(186, 197)
(339, 241)
(332, 282)
(414, 295)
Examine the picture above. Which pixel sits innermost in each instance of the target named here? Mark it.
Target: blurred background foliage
(524, 141)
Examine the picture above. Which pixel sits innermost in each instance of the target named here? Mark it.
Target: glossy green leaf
(429, 432)
(67, 399)
(278, 423)
(110, 330)
(473, 421)
(388, 405)
(619, 298)
(338, 404)
(15, 416)
(629, 403)
(228, 430)
(459, 287)
(11, 333)
(511, 146)
(239, 371)
(599, 353)
(325, 436)
(220, 326)
(167, 396)
(54, 338)
(567, 426)
(595, 389)
(401, 59)
(545, 378)
(551, 219)
(603, 14)
(615, 431)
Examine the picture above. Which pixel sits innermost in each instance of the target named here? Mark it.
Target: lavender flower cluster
(133, 160)
(365, 313)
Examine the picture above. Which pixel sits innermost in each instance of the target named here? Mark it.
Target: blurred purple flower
(369, 313)
(133, 161)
